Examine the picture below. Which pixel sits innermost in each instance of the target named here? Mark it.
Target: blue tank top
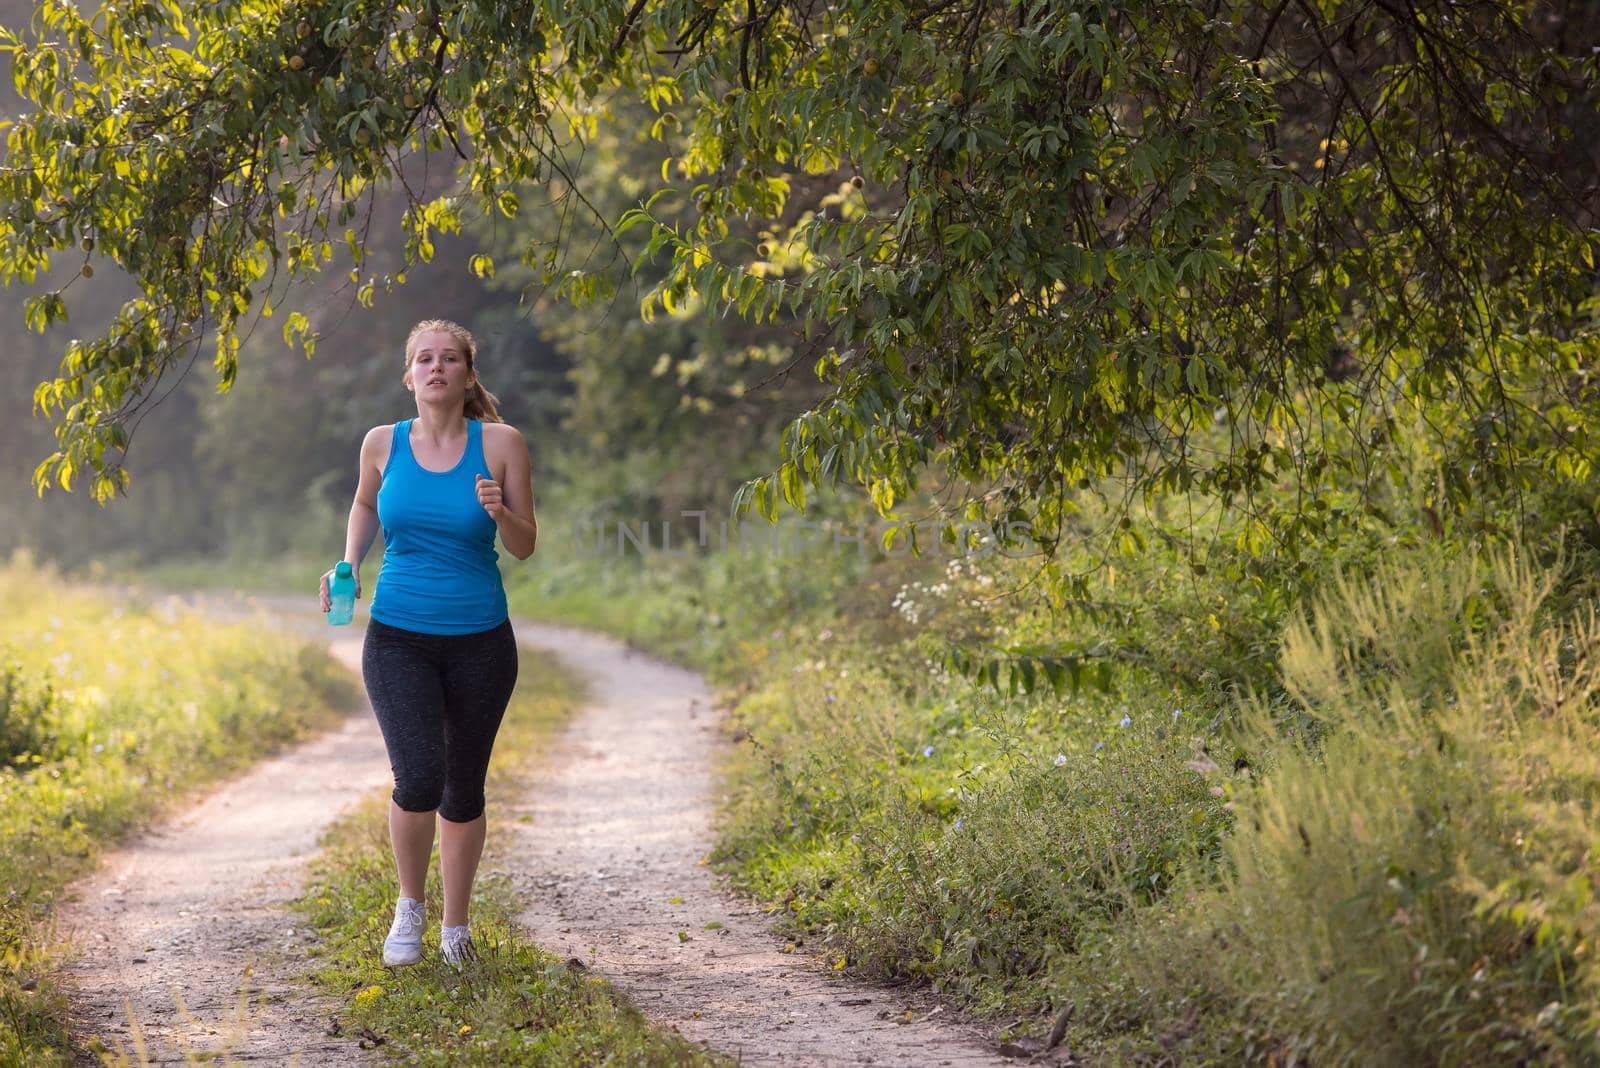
(439, 573)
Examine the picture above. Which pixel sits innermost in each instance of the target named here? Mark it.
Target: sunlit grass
(277, 575)
(109, 711)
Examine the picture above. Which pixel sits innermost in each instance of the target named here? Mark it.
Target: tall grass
(1412, 881)
(109, 710)
(1337, 810)
(909, 822)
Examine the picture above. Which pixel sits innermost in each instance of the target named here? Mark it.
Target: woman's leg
(460, 849)
(478, 684)
(406, 689)
(411, 838)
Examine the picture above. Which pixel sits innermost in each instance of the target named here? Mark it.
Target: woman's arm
(362, 526)
(509, 501)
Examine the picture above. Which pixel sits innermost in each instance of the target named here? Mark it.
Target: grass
(110, 711)
(915, 825)
(1341, 812)
(1333, 809)
(1411, 880)
(518, 1005)
(287, 574)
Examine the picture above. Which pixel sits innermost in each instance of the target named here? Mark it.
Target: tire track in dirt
(613, 870)
(183, 933)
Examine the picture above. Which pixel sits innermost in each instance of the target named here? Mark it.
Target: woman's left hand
(489, 497)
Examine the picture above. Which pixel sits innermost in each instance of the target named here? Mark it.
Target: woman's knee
(419, 792)
(462, 806)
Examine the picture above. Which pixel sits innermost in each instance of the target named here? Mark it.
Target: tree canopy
(1201, 246)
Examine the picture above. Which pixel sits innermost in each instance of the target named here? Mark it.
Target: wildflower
(927, 751)
(959, 823)
(1176, 712)
(1125, 721)
(368, 996)
(1061, 758)
(824, 634)
(1099, 746)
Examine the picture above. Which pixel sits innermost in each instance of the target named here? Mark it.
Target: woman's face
(438, 372)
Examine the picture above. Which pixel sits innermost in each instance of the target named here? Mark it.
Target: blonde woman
(439, 659)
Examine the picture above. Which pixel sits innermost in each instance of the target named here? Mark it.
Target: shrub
(1414, 882)
(27, 712)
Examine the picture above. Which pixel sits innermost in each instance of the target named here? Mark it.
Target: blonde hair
(481, 404)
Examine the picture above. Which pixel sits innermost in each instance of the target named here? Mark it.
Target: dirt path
(613, 863)
(185, 927)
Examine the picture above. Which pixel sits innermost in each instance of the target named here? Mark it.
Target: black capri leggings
(439, 699)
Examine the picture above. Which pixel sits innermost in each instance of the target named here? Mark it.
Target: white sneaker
(456, 944)
(404, 944)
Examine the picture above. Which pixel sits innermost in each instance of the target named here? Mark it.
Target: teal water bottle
(342, 591)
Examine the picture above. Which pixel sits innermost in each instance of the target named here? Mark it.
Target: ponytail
(481, 404)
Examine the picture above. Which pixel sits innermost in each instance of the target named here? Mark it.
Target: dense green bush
(27, 711)
(1412, 883)
(1310, 807)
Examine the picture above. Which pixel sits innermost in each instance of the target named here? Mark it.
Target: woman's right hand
(325, 598)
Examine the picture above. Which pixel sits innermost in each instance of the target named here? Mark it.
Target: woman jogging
(439, 660)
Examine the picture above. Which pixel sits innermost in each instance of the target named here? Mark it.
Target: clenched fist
(489, 497)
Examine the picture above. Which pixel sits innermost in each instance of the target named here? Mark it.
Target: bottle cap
(342, 569)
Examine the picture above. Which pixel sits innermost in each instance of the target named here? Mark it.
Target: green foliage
(517, 1005)
(101, 723)
(967, 853)
(665, 415)
(27, 710)
(910, 822)
(1027, 246)
(1142, 851)
(175, 142)
(1424, 861)
(1048, 288)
